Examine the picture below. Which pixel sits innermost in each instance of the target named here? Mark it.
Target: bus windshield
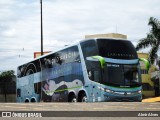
(116, 49)
(122, 75)
(115, 74)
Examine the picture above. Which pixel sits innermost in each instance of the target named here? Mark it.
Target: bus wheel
(26, 101)
(73, 99)
(33, 100)
(83, 98)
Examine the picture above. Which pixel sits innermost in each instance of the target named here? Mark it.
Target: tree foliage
(6, 80)
(7, 74)
(152, 39)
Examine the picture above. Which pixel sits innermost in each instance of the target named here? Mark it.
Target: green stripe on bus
(64, 89)
(127, 88)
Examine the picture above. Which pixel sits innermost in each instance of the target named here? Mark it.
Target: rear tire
(73, 99)
(33, 100)
(26, 101)
(83, 98)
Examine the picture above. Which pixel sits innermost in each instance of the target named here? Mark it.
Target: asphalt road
(83, 111)
(107, 106)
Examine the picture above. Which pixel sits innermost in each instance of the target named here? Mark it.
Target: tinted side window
(67, 55)
(29, 68)
(89, 48)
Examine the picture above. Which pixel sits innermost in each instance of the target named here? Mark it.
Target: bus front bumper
(122, 98)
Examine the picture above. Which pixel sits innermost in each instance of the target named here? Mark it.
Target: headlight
(106, 90)
(109, 91)
(137, 92)
(140, 91)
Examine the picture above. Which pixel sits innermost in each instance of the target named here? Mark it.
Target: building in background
(38, 54)
(109, 35)
(8, 89)
(147, 83)
(155, 76)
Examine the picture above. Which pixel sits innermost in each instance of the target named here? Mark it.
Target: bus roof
(71, 46)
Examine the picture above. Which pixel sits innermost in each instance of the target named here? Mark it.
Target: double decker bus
(93, 70)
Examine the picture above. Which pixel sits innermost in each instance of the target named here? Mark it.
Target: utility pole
(41, 30)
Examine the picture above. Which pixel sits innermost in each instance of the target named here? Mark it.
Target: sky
(65, 22)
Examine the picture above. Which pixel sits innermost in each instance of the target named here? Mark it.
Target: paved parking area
(82, 111)
(103, 106)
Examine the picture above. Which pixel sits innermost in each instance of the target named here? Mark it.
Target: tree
(152, 40)
(6, 78)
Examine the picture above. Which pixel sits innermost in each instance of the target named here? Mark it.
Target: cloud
(67, 21)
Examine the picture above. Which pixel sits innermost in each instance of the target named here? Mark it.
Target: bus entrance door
(96, 92)
(95, 87)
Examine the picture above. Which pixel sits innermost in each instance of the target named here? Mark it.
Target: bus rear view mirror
(98, 58)
(146, 62)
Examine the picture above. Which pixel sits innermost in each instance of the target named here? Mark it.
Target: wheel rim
(74, 100)
(84, 99)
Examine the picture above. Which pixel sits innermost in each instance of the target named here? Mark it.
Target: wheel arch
(33, 99)
(80, 93)
(71, 93)
(27, 100)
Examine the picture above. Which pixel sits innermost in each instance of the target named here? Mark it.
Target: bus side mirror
(98, 58)
(146, 62)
